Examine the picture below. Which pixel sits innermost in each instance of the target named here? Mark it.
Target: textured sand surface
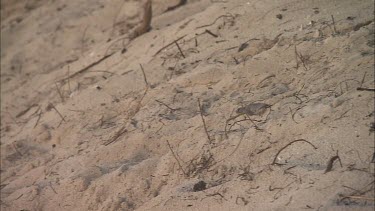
(93, 120)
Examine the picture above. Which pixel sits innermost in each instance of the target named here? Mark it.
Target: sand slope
(91, 120)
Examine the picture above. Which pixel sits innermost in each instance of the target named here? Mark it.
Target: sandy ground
(268, 105)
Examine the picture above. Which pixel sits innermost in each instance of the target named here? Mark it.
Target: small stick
(358, 191)
(145, 92)
(234, 123)
(233, 117)
(144, 76)
(331, 161)
(204, 122)
(365, 89)
(303, 86)
(268, 77)
(89, 66)
(210, 33)
(299, 140)
(50, 184)
(255, 125)
(292, 114)
(104, 71)
(290, 200)
(19, 197)
(60, 123)
(292, 167)
(180, 49)
(334, 25)
(237, 62)
(77, 111)
(39, 115)
(83, 40)
(175, 157)
(363, 79)
(146, 83)
(300, 58)
(182, 2)
(342, 115)
(70, 90)
(26, 110)
(359, 197)
(58, 91)
(169, 45)
(54, 108)
(196, 42)
(221, 16)
(214, 194)
(231, 48)
(295, 52)
(172, 109)
(262, 150)
(15, 148)
(227, 121)
(116, 136)
(303, 62)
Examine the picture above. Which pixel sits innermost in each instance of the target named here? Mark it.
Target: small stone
(201, 185)
(279, 16)
(254, 109)
(350, 18)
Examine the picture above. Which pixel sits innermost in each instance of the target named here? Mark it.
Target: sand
(94, 120)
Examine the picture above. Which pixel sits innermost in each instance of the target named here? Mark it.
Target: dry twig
(59, 91)
(160, 50)
(175, 157)
(359, 197)
(83, 40)
(331, 161)
(221, 16)
(116, 136)
(210, 33)
(26, 110)
(161, 103)
(88, 67)
(300, 57)
(39, 116)
(181, 3)
(204, 122)
(144, 76)
(16, 149)
(365, 89)
(334, 25)
(180, 49)
(299, 140)
(51, 106)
